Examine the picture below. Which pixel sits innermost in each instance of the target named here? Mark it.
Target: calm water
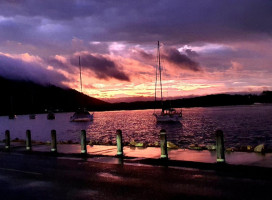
(242, 125)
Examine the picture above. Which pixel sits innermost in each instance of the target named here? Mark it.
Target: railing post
(53, 141)
(7, 140)
(119, 141)
(28, 140)
(220, 149)
(83, 142)
(163, 142)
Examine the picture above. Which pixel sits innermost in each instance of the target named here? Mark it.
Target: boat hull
(12, 116)
(81, 117)
(32, 116)
(51, 116)
(86, 119)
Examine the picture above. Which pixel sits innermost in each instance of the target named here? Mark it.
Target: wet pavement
(39, 176)
(188, 174)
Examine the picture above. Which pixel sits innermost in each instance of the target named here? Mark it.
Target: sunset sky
(208, 46)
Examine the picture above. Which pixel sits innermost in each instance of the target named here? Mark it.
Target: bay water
(242, 125)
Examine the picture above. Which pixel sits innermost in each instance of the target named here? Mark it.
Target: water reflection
(242, 125)
(174, 131)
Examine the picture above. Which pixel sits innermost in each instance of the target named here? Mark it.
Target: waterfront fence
(219, 136)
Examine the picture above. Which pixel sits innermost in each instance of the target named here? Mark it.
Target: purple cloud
(137, 21)
(19, 70)
(103, 67)
(180, 60)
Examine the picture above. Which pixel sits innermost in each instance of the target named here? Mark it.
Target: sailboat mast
(80, 74)
(159, 63)
(156, 78)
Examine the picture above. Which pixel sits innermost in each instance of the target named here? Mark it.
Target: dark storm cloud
(172, 56)
(190, 53)
(17, 69)
(103, 67)
(187, 21)
(145, 55)
(58, 65)
(180, 60)
(52, 9)
(139, 21)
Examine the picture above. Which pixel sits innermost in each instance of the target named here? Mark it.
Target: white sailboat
(81, 115)
(167, 114)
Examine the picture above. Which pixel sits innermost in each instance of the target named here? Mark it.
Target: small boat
(81, 115)
(168, 114)
(51, 115)
(12, 116)
(32, 116)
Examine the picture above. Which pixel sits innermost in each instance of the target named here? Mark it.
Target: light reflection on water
(242, 125)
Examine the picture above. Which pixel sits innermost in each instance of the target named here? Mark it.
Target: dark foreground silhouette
(24, 97)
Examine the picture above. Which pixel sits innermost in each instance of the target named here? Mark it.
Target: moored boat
(167, 114)
(81, 115)
(12, 116)
(51, 115)
(32, 116)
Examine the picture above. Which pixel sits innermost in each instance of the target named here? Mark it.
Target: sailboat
(81, 115)
(168, 114)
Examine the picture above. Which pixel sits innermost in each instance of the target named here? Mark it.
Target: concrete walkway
(188, 174)
(45, 176)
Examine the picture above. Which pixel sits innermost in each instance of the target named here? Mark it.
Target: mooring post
(53, 141)
(163, 142)
(28, 140)
(220, 149)
(119, 141)
(7, 140)
(83, 142)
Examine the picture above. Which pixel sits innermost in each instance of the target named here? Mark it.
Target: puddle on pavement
(109, 176)
(107, 160)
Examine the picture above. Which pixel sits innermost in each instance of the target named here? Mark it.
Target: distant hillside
(23, 97)
(27, 97)
(203, 101)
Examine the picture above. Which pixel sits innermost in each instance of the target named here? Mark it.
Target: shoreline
(182, 155)
(141, 108)
(170, 145)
